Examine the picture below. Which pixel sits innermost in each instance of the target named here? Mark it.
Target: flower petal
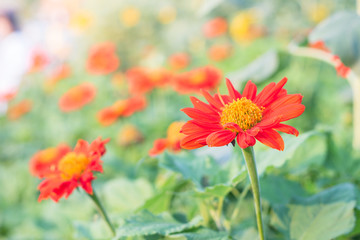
(245, 140)
(201, 116)
(232, 91)
(220, 138)
(250, 90)
(287, 112)
(269, 92)
(286, 129)
(217, 104)
(202, 106)
(271, 138)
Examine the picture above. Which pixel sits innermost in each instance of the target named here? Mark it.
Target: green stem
(102, 211)
(254, 181)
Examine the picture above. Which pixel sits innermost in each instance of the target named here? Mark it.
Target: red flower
(44, 162)
(246, 117)
(102, 59)
(74, 169)
(142, 80)
(215, 27)
(77, 97)
(18, 110)
(179, 61)
(121, 108)
(219, 52)
(39, 60)
(171, 142)
(206, 78)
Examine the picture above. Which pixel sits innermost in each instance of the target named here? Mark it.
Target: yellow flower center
(198, 77)
(73, 164)
(47, 155)
(243, 112)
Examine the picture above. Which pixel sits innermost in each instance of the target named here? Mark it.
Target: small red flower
(215, 27)
(219, 52)
(18, 110)
(206, 78)
(39, 60)
(102, 59)
(72, 170)
(246, 117)
(77, 97)
(142, 80)
(171, 142)
(121, 108)
(45, 161)
(179, 61)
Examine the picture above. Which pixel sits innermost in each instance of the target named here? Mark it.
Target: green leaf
(300, 152)
(209, 177)
(125, 195)
(202, 234)
(259, 70)
(278, 190)
(146, 223)
(323, 216)
(341, 34)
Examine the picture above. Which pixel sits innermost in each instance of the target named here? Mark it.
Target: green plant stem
(239, 202)
(254, 181)
(102, 211)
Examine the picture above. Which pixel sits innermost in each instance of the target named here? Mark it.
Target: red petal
(286, 129)
(285, 100)
(287, 112)
(218, 105)
(202, 106)
(268, 92)
(201, 116)
(232, 91)
(190, 142)
(159, 146)
(220, 138)
(192, 127)
(245, 140)
(250, 90)
(271, 138)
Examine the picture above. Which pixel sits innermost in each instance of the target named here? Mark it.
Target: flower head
(179, 61)
(128, 135)
(72, 169)
(102, 59)
(77, 97)
(171, 142)
(206, 78)
(246, 117)
(45, 161)
(219, 52)
(18, 110)
(121, 108)
(142, 80)
(215, 27)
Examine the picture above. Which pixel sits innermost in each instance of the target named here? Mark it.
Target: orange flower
(39, 60)
(77, 97)
(172, 142)
(179, 61)
(16, 111)
(246, 117)
(45, 161)
(121, 108)
(206, 78)
(215, 27)
(219, 52)
(142, 80)
(129, 135)
(72, 170)
(102, 59)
